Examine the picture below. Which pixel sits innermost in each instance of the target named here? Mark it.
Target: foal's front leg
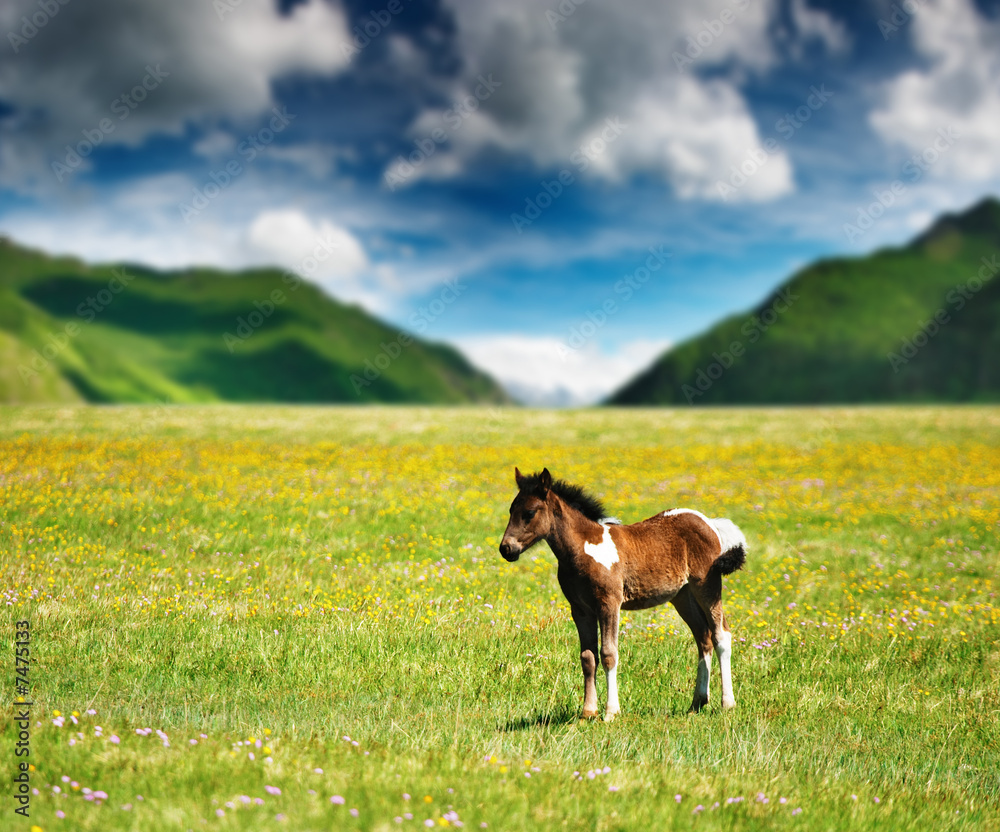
(586, 626)
(609, 657)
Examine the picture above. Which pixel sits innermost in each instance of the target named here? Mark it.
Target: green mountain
(73, 332)
(918, 323)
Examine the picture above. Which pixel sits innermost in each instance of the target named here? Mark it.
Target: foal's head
(530, 514)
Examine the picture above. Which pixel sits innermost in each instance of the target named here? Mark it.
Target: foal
(678, 556)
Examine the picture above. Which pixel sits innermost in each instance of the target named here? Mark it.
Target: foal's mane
(587, 504)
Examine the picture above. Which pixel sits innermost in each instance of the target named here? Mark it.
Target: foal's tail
(734, 546)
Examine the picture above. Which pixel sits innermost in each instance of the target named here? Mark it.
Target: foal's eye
(529, 514)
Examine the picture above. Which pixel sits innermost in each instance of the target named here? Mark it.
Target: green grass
(317, 573)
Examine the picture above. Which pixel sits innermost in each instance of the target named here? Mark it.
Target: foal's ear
(518, 477)
(545, 480)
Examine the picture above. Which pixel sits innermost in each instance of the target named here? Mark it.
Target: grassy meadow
(277, 618)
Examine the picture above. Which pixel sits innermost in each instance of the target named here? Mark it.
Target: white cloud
(142, 226)
(326, 254)
(919, 220)
(215, 144)
(545, 370)
(67, 78)
(559, 82)
(139, 224)
(318, 160)
(817, 24)
(959, 90)
(699, 149)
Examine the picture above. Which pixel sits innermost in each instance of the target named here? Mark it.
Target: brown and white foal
(678, 556)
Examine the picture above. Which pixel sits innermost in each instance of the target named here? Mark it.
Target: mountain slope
(919, 323)
(69, 332)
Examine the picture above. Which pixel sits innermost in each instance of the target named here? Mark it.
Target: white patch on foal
(605, 552)
(729, 534)
(724, 650)
(613, 706)
(727, 531)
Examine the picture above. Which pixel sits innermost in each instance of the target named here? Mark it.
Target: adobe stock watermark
(696, 44)
(247, 325)
(31, 26)
(786, 127)
(901, 14)
(752, 330)
(123, 106)
(624, 290)
(487, 432)
(913, 171)
(152, 415)
(224, 7)
(88, 310)
(453, 118)
(581, 158)
(370, 27)
(419, 321)
(249, 149)
(957, 298)
(565, 9)
(22, 718)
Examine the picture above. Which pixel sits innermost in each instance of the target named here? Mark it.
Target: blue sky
(534, 154)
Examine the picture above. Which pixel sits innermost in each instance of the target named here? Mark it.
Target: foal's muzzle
(508, 552)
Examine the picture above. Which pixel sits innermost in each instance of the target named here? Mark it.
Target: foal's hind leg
(708, 594)
(689, 610)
